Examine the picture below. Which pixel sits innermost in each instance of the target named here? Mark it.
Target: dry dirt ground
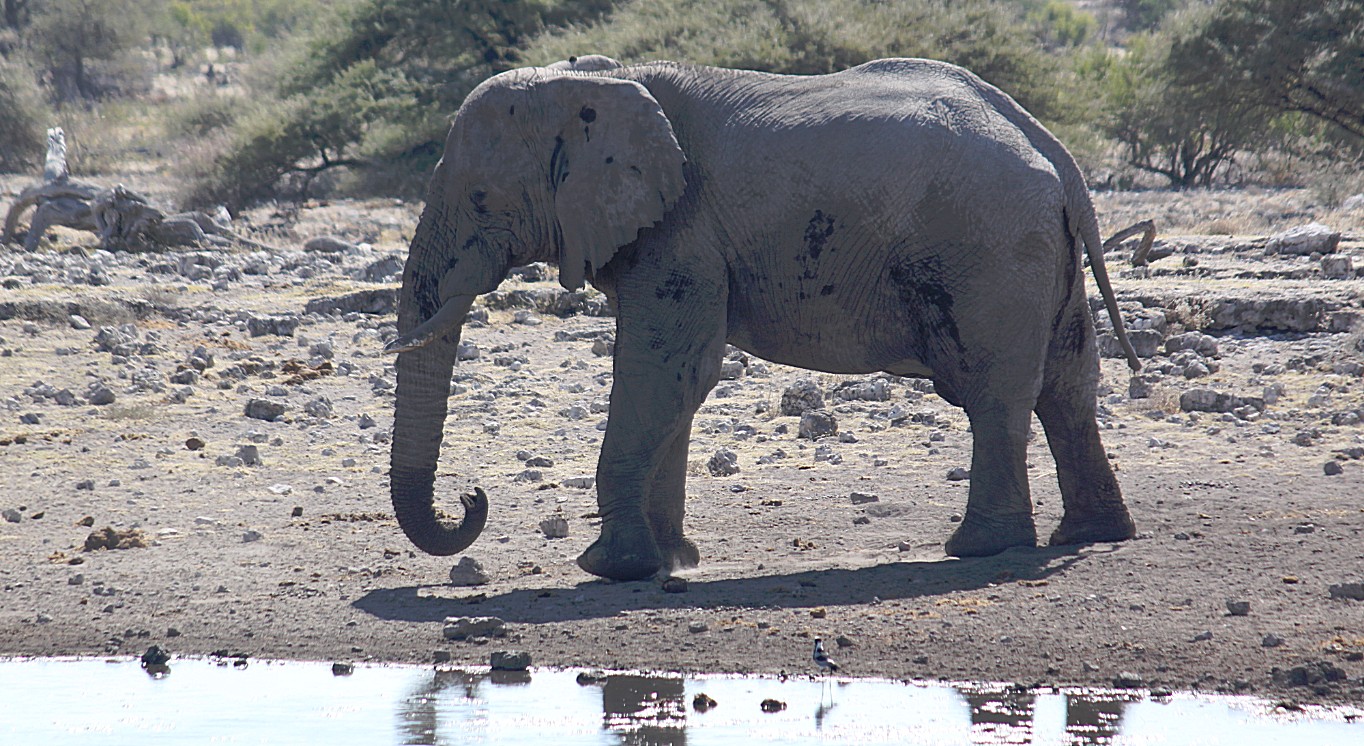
(289, 550)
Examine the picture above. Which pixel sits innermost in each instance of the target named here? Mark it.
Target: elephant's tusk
(450, 316)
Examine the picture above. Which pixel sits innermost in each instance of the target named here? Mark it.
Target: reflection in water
(1094, 719)
(645, 709)
(418, 719)
(1000, 717)
(113, 704)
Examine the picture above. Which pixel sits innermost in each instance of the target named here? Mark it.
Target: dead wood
(123, 219)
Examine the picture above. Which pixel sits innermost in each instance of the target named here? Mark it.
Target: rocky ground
(194, 445)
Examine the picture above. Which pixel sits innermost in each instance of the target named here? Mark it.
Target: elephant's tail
(1088, 226)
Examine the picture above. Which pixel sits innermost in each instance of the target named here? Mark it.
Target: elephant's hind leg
(998, 507)
(1094, 509)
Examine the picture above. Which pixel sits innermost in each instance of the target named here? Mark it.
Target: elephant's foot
(982, 537)
(620, 554)
(1115, 525)
(680, 554)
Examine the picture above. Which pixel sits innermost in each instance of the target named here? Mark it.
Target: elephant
(902, 216)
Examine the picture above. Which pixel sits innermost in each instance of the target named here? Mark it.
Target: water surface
(97, 703)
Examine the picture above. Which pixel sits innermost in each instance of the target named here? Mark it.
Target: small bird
(822, 658)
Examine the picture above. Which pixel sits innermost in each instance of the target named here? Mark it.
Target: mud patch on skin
(817, 234)
(929, 302)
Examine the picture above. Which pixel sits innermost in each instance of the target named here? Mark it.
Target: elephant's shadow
(834, 587)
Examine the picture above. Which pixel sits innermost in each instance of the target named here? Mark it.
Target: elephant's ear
(615, 166)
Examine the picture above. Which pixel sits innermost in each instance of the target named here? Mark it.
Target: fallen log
(123, 219)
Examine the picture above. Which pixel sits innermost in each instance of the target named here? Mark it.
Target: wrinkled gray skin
(901, 216)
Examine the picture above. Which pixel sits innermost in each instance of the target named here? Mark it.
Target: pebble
(958, 474)
(861, 498)
(703, 702)
(1332, 468)
(509, 660)
(1238, 608)
(1351, 591)
(675, 585)
(800, 397)
(1271, 641)
(772, 705)
(467, 572)
(554, 527)
(465, 627)
(251, 535)
(1128, 680)
(724, 463)
(697, 627)
(343, 669)
(265, 409)
(816, 424)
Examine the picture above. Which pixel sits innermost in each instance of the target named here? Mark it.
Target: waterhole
(102, 702)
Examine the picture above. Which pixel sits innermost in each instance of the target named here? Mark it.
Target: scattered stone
(11, 515)
(78, 321)
(675, 585)
(441, 656)
(772, 705)
(468, 571)
(509, 660)
(580, 483)
(724, 463)
(465, 627)
(816, 424)
(862, 498)
(1332, 468)
(1351, 591)
(703, 702)
(1310, 674)
(554, 527)
(1313, 238)
(99, 395)
(330, 245)
(249, 455)
(1337, 267)
(1271, 641)
(1207, 400)
(343, 669)
(155, 656)
(194, 444)
(1238, 608)
(251, 535)
(958, 474)
(1203, 636)
(591, 678)
(697, 627)
(800, 397)
(265, 409)
(112, 538)
(1128, 680)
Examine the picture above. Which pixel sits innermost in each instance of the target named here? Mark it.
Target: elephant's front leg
(668, 351)
(665, 503)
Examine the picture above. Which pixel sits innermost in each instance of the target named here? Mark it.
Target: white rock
(468, 571)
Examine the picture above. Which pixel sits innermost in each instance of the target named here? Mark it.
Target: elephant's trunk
(419, 420)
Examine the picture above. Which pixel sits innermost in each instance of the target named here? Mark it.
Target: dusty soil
(298, 556)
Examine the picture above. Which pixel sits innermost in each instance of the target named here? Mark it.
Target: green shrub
(24, 118)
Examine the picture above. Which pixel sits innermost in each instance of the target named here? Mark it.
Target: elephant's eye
(477, 198)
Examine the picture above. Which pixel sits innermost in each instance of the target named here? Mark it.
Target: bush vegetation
(355, 96)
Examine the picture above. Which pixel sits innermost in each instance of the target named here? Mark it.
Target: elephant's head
(539, 165)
